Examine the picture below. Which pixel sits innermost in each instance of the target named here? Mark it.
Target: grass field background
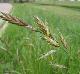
(23, 47)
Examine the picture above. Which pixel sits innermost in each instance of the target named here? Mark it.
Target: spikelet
(47, 54)
(46, 32)
(60, 66)
(15, 20)
(51, 41)
(63, 41)
(43, 27)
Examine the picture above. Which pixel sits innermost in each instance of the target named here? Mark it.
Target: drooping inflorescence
(15, 20)
(46, 32)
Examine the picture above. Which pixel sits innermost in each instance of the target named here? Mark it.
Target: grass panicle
(43, 27)
(15, 20)
(58, 66)
(46, 32)
(65, 44)
(47, 54)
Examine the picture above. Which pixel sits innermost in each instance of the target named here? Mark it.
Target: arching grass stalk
(43, 29)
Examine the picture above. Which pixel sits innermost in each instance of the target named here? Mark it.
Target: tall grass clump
(45, 34)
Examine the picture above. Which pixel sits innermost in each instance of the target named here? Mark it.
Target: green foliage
(24, 47)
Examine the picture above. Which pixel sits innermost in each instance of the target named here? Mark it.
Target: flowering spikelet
(51, 41)
(43, 27)
(47, 54)
(58, 66)
(46, 32)
(63, 41)
(15, 20)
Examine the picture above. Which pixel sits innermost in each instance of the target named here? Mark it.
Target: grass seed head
(43, 26)
(51, 41)
(58, 66)
(63, 41)
(45, 55)
(46, 32)
(15, 20)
